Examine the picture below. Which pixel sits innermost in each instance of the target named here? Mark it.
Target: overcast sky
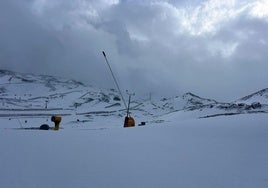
(213, 48)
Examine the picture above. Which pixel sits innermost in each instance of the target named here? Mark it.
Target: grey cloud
(145, 43)
(23, 41)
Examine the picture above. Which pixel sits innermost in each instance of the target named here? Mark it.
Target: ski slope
(188, 141)
(214, 152)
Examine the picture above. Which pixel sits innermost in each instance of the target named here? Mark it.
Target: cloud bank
(213, 48)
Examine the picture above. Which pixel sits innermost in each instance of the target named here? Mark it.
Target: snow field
(216, 152)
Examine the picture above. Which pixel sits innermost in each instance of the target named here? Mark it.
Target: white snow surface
(188, 141)
(229, 151)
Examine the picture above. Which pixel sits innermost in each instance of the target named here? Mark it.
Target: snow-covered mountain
(94, 150)
(259, 96)
(28, 95)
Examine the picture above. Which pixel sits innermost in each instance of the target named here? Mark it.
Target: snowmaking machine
(129, 121)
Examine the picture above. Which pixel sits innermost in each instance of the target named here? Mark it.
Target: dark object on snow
(129, 122)
(44, 127)
(255, 105)
(116, 98)
(56, 120)
(142, 123)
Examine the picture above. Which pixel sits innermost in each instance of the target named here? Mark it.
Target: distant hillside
(42, 95)
(259, 96)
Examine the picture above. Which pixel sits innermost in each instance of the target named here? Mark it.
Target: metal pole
(129, 98)
(128, 105)
(114, 79)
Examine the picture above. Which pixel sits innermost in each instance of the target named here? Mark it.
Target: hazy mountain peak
(259, 96)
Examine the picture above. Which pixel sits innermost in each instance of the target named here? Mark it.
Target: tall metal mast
(116, 83)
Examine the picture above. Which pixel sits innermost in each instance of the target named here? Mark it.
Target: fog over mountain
(213, 48)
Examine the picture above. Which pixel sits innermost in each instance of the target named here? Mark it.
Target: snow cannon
(56, 120)
(129, 122)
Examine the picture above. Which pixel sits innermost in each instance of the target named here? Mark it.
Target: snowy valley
(188, 141)
(33, 96)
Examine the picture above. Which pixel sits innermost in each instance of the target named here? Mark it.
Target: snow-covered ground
(188, 141)
(228, 151)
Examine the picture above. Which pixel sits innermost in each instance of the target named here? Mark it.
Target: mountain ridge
(261, 93)
(21, 91)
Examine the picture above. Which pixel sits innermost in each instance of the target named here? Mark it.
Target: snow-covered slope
(26, 92)
(227, 152)
(93, 150)
(27, 95)
(259, 96)
(30, 91)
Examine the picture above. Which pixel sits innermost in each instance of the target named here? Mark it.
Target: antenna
(129, 98)
(125, 104)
